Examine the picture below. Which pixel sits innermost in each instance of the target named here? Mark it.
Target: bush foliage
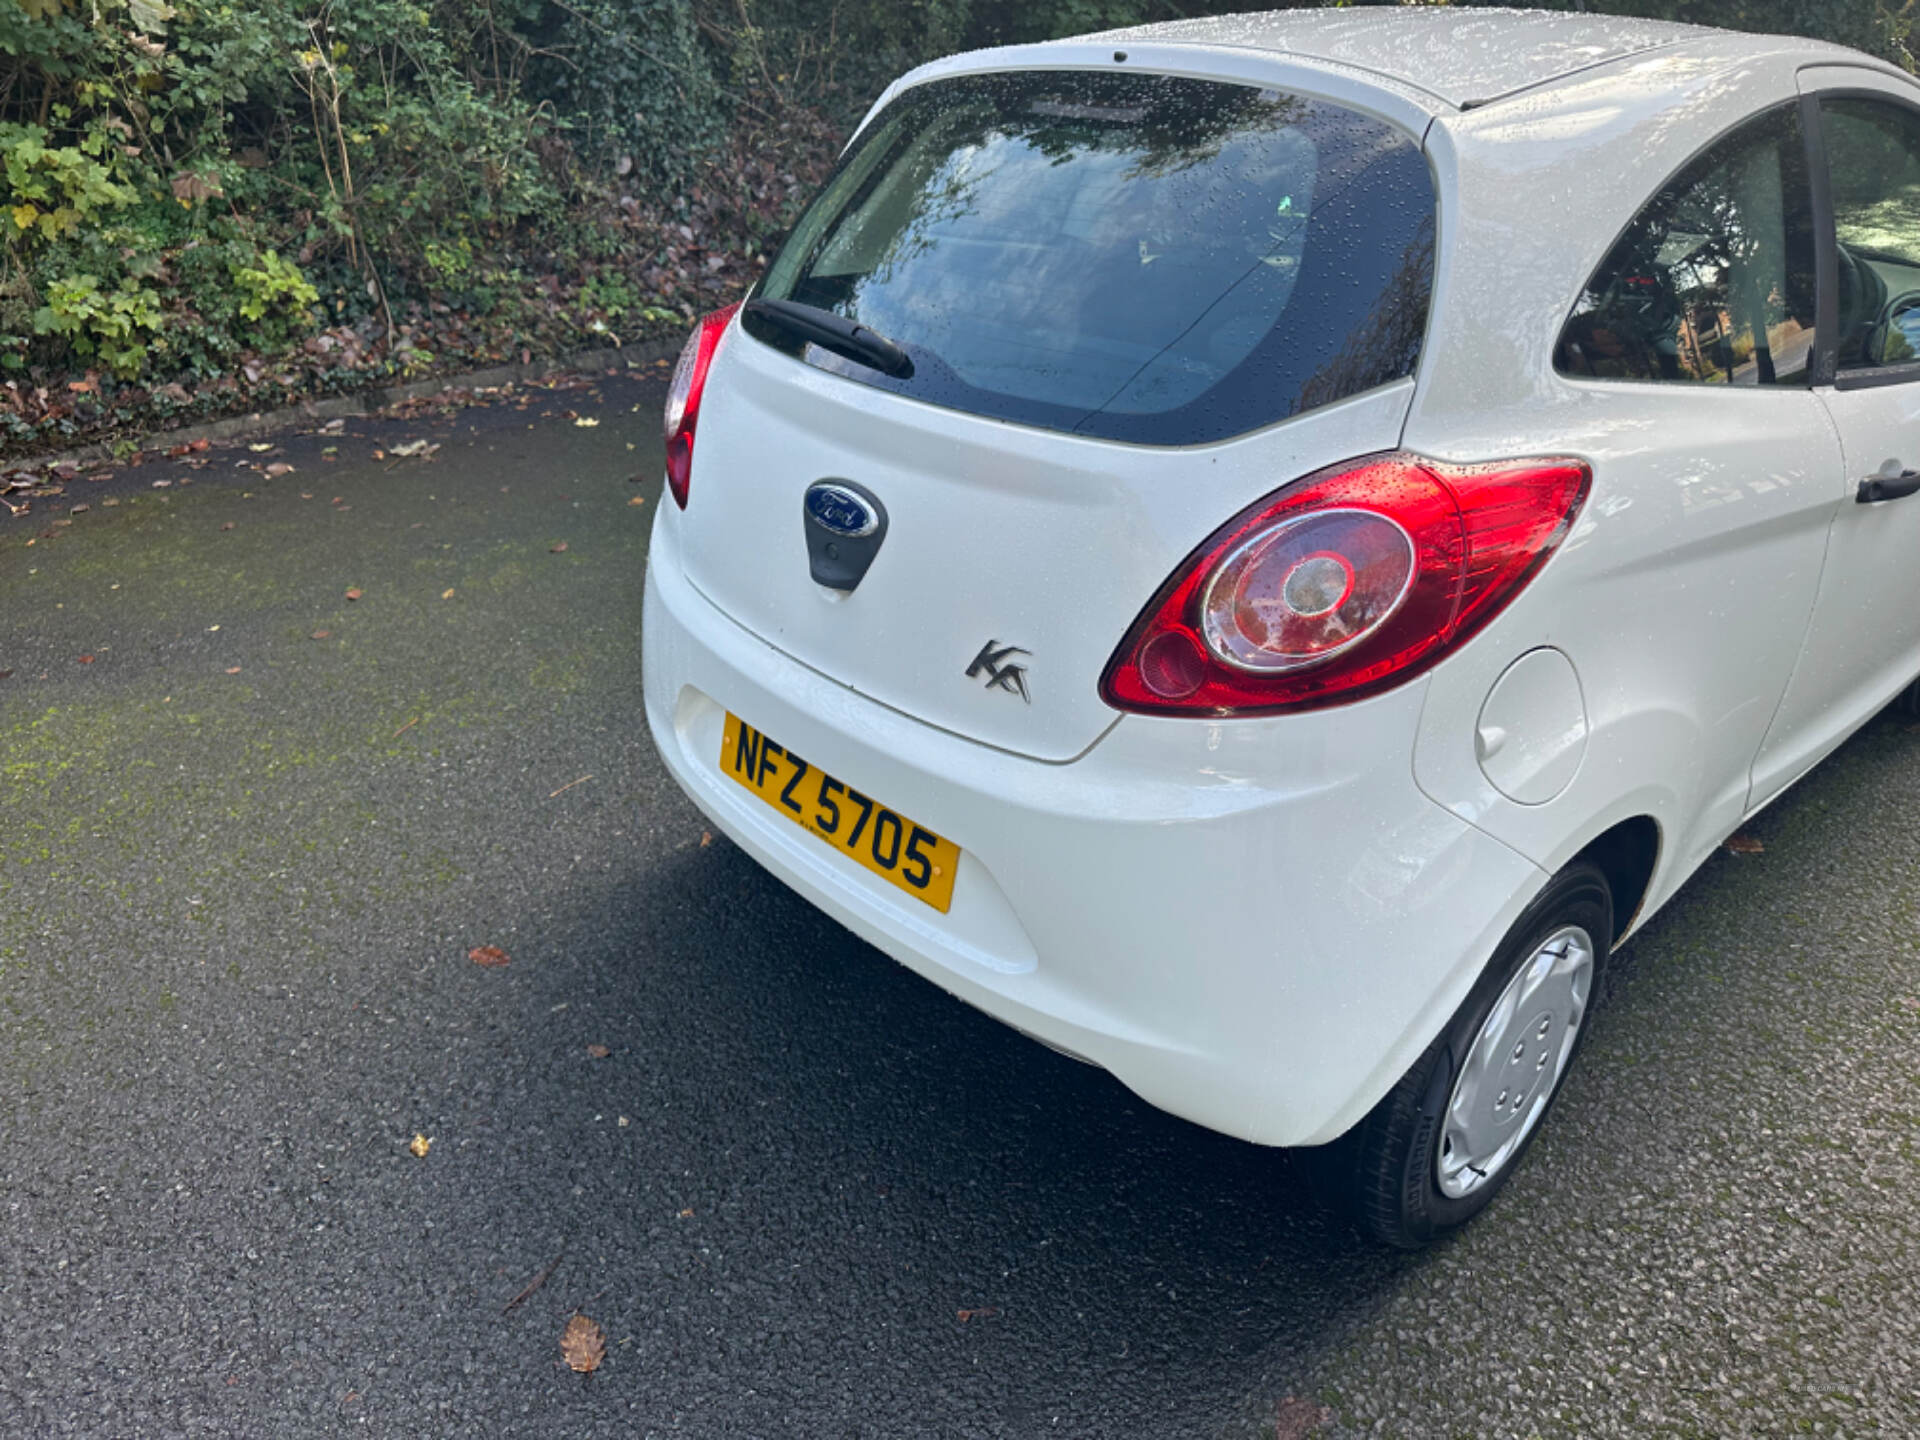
(204, 199)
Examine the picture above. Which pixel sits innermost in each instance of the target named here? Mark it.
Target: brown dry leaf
(322, 634)
(1742, 842)
(559, 548)
(79, 509)
(638, 500)
(583, 1345)
(598, 1052)
(686, 1214)
(86, 659)
(189, 186)
(1297, 1418)
(446, 594)
(981, 1313)
(706, 838)
(419, 1145)
(489, 955)
(277, 469)
(227, 526)
(233, 670)
(355, 594)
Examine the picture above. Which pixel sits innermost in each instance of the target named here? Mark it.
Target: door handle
(1876, 488)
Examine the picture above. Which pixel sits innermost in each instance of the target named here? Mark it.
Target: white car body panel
(1191, 906)
(1687, 584)
(1863, 646)
(1259, 923)
(973, 543)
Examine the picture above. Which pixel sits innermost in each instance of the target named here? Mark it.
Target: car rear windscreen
(1144, 258)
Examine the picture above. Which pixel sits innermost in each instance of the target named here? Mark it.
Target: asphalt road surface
(246, 848)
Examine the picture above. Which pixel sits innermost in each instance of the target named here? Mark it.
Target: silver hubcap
(1514, 1064)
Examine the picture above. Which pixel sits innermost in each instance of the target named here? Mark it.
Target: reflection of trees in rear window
(1144, 257)
(1713, 280)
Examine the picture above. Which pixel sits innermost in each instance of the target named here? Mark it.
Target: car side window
(1713, 280)
(1873, 158)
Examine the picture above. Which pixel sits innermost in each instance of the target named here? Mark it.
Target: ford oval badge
(838, 508)
(845, 524)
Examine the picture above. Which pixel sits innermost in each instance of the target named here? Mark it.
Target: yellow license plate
(885, 841)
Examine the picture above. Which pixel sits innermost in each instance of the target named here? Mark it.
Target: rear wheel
(1437, 1149)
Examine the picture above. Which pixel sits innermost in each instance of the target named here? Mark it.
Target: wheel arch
(1628, 853)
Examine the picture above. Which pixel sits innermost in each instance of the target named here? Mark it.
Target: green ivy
(113, 325)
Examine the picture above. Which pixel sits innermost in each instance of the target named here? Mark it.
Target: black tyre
(1437, 1149)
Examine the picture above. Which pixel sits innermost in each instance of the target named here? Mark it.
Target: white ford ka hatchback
(1257, 550)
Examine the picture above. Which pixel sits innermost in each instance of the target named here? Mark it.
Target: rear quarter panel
(1684, 590)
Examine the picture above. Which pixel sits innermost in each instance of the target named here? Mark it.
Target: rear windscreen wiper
(836, 333)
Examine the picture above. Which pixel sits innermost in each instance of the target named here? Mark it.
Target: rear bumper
(1256, 925)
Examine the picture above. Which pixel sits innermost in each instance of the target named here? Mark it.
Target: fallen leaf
(559, 548)
(638, 500)
(6, 674)
(446, 594)
(419, 1145)
(598, 1052)
(86, 659)
(706, 838)
(411, 448)
(233, 670)
(378, 455)
(979, 1314)
(1742, 842)
(1298, 1418)
(227, 526)
(79, 510)
(261, 448)
(687, 1214)
(583, 1345)
(586, 422)
(277, 469)
(161, 484)
(491, 956)
(355, 594)
(322, 634)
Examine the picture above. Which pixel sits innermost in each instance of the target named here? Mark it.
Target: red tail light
(683, 398)
(1344, 584)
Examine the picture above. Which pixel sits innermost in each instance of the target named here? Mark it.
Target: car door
(1863, 644)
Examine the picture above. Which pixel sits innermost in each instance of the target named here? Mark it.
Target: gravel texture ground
(246, 848)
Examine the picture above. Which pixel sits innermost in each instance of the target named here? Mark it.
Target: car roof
(1465, 57)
